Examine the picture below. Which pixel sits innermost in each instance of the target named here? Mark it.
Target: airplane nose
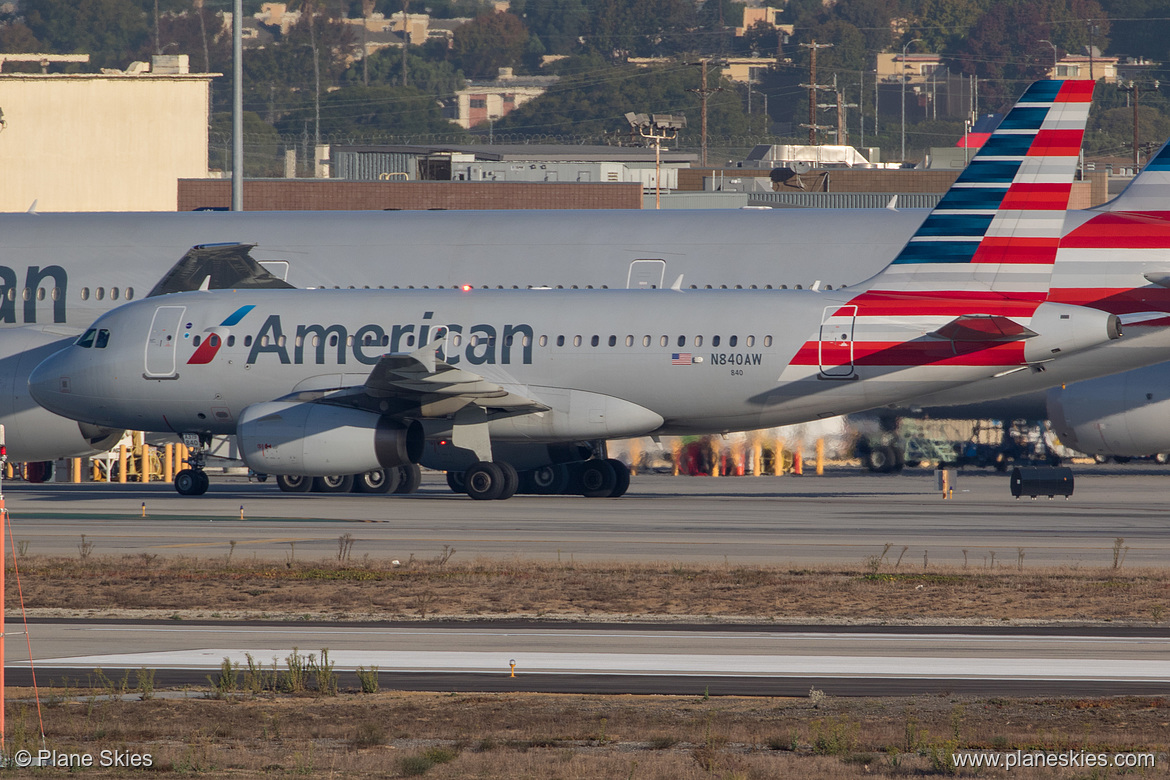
(50, 386)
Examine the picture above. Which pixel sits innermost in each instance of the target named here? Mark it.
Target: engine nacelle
(1122, 414)
(313, 439)
(1062, 328)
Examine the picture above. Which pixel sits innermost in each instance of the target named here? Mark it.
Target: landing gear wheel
(598, 479)
(457, 481)
(190, 482)
(511, 480)
(334, 483)
(546, 480)
(880, 459)
(293, 483)
(484, 481)
(623, 478)
(409, 478)
(376, 481)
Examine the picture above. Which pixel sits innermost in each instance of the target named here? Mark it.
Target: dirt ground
(394, 734)
(875, 592)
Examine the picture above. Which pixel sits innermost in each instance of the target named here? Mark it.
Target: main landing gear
(193, 481)
(489, 480)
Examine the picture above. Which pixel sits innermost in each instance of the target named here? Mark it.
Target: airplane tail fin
(998, 227)
(1149, 190)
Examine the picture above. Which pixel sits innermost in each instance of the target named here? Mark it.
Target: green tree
(593, 103)
(369, 113)
(108, 30)
(489, 42)
(263, 149)
(438, 79)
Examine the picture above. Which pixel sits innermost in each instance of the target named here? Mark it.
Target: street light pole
(1054, 56)
(904, 48)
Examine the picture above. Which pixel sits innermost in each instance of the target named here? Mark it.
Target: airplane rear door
(836, 343)
(162, 340)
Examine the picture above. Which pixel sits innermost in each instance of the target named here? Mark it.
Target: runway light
(512, 663)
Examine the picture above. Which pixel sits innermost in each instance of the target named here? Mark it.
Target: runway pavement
(841, 517)
(644, 658)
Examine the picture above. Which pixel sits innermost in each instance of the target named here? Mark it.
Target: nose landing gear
(194, 481)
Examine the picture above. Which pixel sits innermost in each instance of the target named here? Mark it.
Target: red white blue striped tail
(999, 226)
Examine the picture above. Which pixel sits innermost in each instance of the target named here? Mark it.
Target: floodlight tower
(657, 128)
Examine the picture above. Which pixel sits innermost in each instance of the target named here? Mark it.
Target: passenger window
(263, 340)
(129, 293)
(40, 293)
(714, 341)
(629, 341)
(645, 341)
(86, 340)
(682, 341)
(594, 341)
(197, 339)
(247, 341)
(732, 341)
(103, 339)
(213, 338)
(664, 341)
(113, 293)
(526, 341)
(56, 293)
(457, 340)
(299, 341)
(84, 294)
(751, 341)
(560, 341)
(508, 340)
(576, 341)
(231, 341)
(544, 341)
(99, 293)
(767, 341)
(12, 293)
(613, 341)
(698, 341)
(280, 341)
(27, 294)
(333, 340)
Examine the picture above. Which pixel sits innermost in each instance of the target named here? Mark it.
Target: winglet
(33, 208)
(893, 204)
(677, 286)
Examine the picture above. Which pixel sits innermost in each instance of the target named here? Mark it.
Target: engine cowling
(1062, 328)
(1123, 414)
(313, 439)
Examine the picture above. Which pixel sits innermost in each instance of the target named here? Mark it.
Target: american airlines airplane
(62, 271)
(995, 289)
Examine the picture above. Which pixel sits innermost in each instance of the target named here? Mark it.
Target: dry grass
(576, 736)
(375, 590)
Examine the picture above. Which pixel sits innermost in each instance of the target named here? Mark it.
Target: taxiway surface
(841, 517)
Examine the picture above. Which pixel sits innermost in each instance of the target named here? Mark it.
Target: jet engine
(1122, 414)
(1062, 328)
(314, 439)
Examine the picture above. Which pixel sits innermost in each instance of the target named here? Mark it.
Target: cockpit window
(86, 340)
(103, 338)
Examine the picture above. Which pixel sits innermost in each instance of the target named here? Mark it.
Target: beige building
(101, 142)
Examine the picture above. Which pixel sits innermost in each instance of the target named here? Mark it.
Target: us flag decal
(680, 359)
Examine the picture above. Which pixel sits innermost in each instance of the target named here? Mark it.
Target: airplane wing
(218, 267)
(438, 388)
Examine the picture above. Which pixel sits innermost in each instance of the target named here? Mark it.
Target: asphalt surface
(841, 517)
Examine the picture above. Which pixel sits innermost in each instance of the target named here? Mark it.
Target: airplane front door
(162, 340)
(835, 347)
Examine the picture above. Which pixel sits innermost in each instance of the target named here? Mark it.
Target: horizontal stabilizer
(983, 327)
(218, 267)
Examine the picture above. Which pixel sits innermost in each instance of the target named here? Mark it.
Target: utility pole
(812, 87)
(1134, 88)
(237, 106)
(703, 92)
(840, 106)
(405, 39)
